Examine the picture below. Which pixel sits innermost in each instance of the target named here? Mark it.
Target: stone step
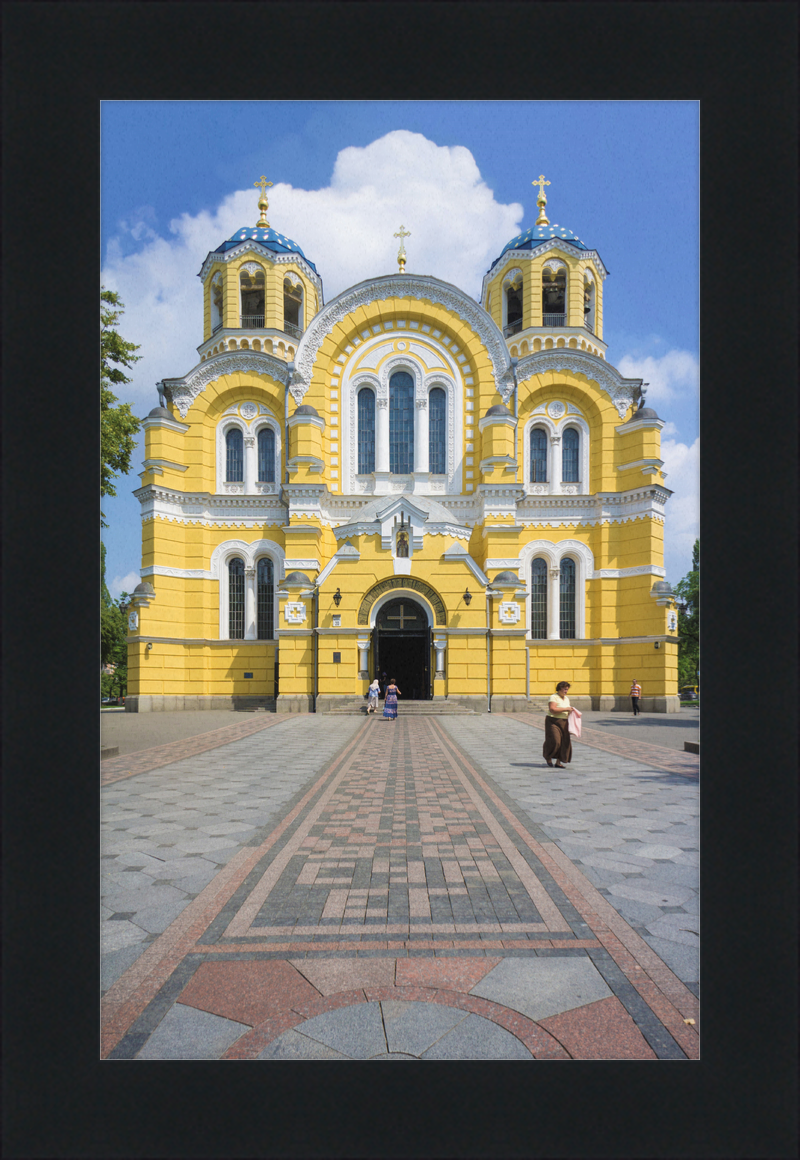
(410, 709)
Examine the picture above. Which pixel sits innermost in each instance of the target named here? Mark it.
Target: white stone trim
(622, 392)
(402, 594)
(421, 287)
(251, 553)
(250, 431)
(182, 392)
(272, 257)
(553, 553)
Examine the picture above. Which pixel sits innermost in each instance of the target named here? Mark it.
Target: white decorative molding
(265, 255)
(621, 573)
(248, 411)
(555, 409)
(509, 612)
(428, 356)
(405, 286)
(294, 612)
(373, 358)
(182, 392)
(621, 391)
(672, 622)
(561, 244)
(299, 564)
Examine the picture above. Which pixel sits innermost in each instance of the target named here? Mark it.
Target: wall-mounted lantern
(337, 598)
(468, 598)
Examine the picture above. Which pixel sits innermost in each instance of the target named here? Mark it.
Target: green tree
(118, 424)
(687, 591)
(113, 633)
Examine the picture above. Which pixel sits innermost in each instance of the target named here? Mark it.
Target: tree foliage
(687, 591)
(113, 633)
(118, 424)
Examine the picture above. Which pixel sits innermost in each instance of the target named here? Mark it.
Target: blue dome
(268, 238)
(538, 234)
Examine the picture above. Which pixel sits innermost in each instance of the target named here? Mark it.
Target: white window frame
(552, 553)
(555, 485)
(251, 554)
(250, 484)
(371, 383)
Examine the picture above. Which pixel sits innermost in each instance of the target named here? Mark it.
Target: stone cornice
(182, 392)
(622, 392)
(418, 286)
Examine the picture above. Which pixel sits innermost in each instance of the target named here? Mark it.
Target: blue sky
(177, 179)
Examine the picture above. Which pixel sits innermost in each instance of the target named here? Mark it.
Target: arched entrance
(402, 647)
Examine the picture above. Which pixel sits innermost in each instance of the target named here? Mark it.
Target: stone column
(250, 464)
(363, 658)
(382, 434)
(421, 436)
(440, 646)
(554, 605)
(250, 604)
(554, 474)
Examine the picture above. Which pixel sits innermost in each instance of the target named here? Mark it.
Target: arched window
(539, 599)
(538, 455)
(554, 295)
(266, 455)
(216, 304)
(265, 599)
(366, 431)
(236, 598)
(513, 309)
(234, 447)
(251, 287)
(401, 423)
(437, 443)
(566, 606)
(293, 307)
(569, 456)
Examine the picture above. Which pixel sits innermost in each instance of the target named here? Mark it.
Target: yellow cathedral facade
(402, 483)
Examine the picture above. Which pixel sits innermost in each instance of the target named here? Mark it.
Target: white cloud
(682, 466)
(346, 230)
(673, 376)
(122, 584)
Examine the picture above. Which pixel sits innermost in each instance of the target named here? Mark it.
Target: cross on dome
(541, 201)
(263, 204)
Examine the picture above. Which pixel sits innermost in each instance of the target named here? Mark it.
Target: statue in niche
(402, 545)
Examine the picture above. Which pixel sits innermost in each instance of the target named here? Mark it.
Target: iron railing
(512, 328)
(588, 326)
(554, 320)
(294, 331)
(253, 320)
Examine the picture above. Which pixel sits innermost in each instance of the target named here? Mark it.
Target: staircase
(408, 709)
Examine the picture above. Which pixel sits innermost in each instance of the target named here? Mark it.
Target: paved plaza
(334, 887)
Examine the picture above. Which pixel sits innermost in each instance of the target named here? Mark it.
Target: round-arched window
(401, 423)
(234, 456)
(366, 431)
(437, 438)
(236, 598)
(538, 455)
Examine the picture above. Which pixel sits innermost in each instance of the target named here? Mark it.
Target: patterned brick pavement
(116, 768)
(400, 876)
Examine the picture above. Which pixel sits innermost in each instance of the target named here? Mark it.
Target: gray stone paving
(632, 829)
(166, 833)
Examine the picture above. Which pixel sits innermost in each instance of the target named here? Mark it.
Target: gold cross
(402, 606)
(403, 233)
(541, 183)
(263, 204)
(541, 201)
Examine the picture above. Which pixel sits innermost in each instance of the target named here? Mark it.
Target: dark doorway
(402, 648)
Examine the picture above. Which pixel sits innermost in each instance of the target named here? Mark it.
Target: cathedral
(402, 483)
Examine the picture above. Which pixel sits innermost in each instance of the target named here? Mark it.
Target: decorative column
(382, 434)
(440, 645)
(554, 605)
(250, 464)
(363, 658)
(250, 604)
(554, 474)
(421, 436)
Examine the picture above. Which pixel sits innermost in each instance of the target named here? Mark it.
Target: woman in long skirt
(390, 703)
(373, 692)
(557, 741)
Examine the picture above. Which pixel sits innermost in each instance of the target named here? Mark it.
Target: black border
(739, 61)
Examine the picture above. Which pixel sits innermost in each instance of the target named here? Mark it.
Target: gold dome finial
(263, 204)
(541, 201)
(401, 253)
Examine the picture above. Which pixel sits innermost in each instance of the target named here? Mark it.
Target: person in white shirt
(557, 741)
(636, 692)
(373, 692)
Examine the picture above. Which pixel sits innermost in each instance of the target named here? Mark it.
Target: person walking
(636, 692)
(390, 703)
(373, 692)
(557, 741)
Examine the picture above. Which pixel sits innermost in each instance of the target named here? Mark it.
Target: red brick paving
(405, 812)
